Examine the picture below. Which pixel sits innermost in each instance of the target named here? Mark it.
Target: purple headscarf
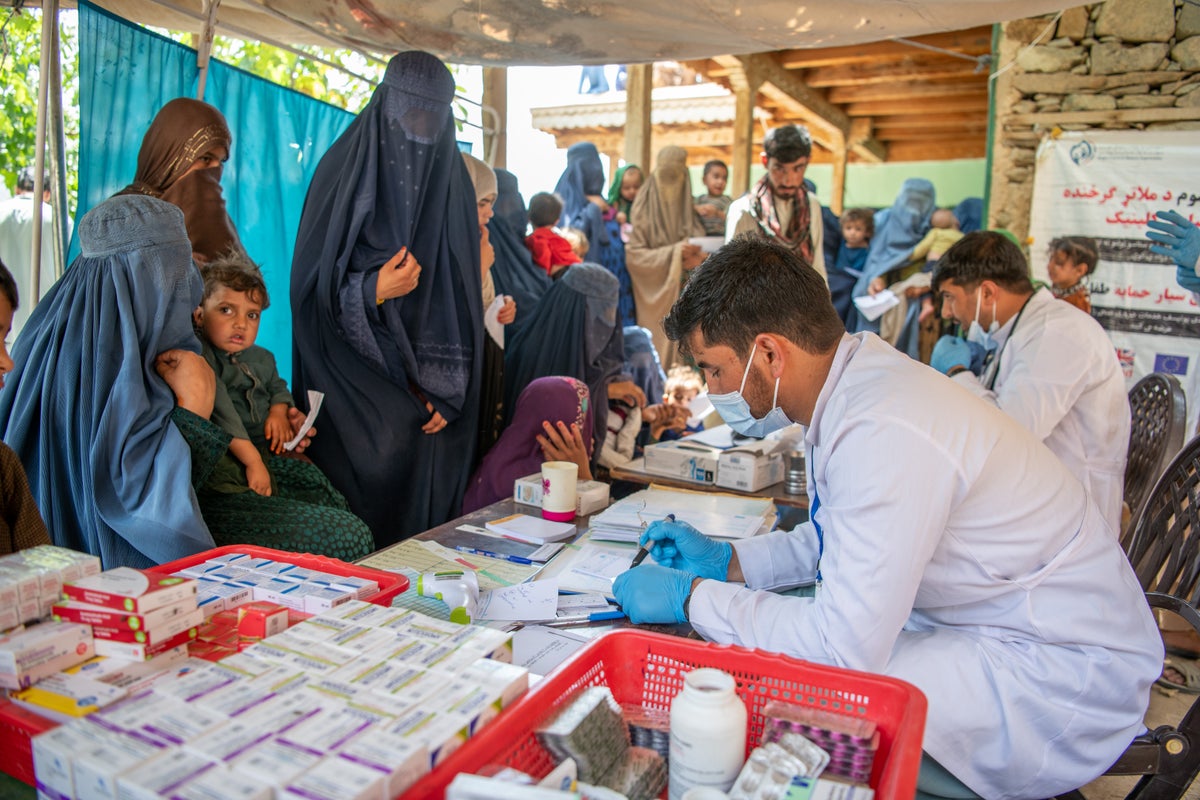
(517, 453)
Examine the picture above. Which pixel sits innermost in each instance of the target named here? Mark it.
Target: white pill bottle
(708, 733)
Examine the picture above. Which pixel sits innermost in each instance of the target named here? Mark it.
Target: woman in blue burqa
(897, 231)
(109, 409)
(572, 332)
(514, 272)
(581, 188)
(387, 316)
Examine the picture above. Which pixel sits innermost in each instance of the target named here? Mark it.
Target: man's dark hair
(984, 256)
(234, 270)
(8, 286)
(716, 162)
(544, 209)
(750, 286)
(863, 216)
(1080, 249)
(25, 180)
(788, 143)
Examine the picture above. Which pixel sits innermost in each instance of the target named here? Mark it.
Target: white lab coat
(1057, 374)
(975, 567)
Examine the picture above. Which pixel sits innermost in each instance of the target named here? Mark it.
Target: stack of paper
(535, 530)
(719, 516)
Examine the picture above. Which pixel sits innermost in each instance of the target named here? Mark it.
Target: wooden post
(495, 96)
(638, 87)
(742, 157)
(837, 192)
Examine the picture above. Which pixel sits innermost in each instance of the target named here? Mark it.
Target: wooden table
(635, 472)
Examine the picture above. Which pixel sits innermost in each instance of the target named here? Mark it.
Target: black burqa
(514, 272)
(393, 179)
(573, 331)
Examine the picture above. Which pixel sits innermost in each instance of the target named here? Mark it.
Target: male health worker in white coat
(948, 546)
(1047, 364)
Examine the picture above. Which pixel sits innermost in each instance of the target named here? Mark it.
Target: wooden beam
(880, 108)
(638, 85)
(973, 41)
(906, 90)
(930, 118)
(1101, 117)
(915, 69)
(745, 81)
(495, 96)
(828, 123)
(937, 150)
(864, 143)
(894, 134)
(837, 191)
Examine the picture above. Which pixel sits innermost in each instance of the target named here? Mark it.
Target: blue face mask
(976, 333)
(734, 409)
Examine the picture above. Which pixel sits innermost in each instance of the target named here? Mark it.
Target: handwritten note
(423, 556)
(873, 306)
(314, 407)
(524, 602)
(540, 649)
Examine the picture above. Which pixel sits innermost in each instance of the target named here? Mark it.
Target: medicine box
(258, 620)
(41, 650)
(683, 460)
(133, 590)
(749, 468)
(72, 611)
(590, 496)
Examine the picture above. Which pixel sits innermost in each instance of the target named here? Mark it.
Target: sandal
(1188, 673)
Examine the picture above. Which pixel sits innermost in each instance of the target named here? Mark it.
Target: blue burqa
(642, 363)
(393, 179)
(514, 272)
(573, 331)
(897, 231)
(85, 409)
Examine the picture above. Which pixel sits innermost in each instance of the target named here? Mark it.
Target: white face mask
(734, 409)
(976, 333)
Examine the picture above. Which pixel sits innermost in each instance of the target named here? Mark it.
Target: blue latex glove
(950, 352)
(680, 546)
(651, 593)
(1178, 239)
(1188, 278)
(977, 356)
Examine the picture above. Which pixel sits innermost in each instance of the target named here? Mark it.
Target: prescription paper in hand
(314, 407)
(873, 306)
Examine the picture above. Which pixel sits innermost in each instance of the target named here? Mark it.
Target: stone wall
(1122, 64)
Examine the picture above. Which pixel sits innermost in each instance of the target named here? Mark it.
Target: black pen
(643, 552)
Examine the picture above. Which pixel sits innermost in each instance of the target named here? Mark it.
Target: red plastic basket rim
(390, 583)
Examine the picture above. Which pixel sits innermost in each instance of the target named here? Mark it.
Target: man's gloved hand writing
(680, 546)
(651, 593)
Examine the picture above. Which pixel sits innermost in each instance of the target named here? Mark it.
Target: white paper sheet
(314, 407)
(872, 307)
(491, 320)
(524, 602)
(708, 244)
(540, 649)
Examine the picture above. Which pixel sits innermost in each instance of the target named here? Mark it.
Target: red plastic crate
(649, 668)
(18, 725)
(390, 583)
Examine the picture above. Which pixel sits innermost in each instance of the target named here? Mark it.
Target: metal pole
(58, 161)
(49, 20)
(204, 46)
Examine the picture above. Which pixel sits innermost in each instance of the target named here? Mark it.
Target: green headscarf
(614, 190)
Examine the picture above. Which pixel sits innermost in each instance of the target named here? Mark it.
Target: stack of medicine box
(31, 581)
(135, 614)
(234, 579)
(354, 704)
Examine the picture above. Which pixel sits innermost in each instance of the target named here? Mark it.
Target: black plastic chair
(1164, 549)
(1158, 427)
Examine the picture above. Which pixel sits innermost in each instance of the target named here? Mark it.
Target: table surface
(503, 508)
(635, 472)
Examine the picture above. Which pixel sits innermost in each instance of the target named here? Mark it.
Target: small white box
(323, 599)
(590, 496)
(337, 779)
(750, 467)
(402, 761)
(683, 460)
(277, 762)
(53, 752)
(99, 766)
(222, 784)
(151, 779)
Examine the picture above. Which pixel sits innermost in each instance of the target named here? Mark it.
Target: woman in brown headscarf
(180, 161)
(658, 255)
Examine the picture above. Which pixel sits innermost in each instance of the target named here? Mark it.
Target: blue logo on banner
(1175, 365)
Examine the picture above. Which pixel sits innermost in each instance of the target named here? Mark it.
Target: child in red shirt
(550, 251)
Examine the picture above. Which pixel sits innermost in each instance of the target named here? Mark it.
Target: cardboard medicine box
(683, 460)
(750, 467)
(133, 590)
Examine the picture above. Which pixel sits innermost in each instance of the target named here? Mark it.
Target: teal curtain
(127, 73)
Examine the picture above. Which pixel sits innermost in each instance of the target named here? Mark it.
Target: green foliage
(20, 60)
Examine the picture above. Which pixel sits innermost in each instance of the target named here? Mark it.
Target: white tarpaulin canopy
(564, 32)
